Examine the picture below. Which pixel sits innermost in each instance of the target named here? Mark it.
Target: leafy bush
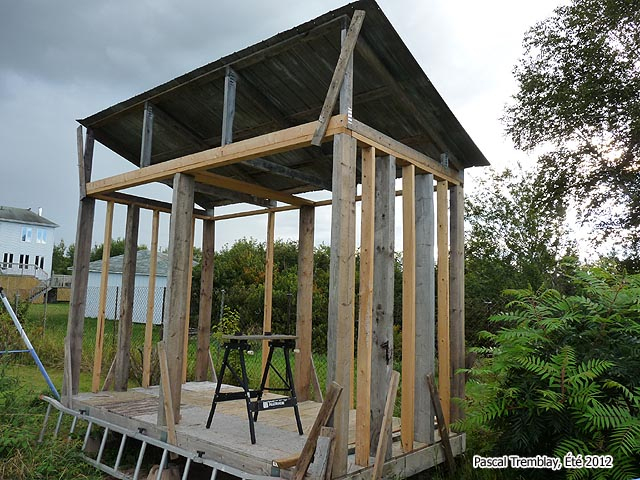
(562, 375)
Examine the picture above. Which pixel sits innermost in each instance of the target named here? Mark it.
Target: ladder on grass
(27, 343)
(95, 424)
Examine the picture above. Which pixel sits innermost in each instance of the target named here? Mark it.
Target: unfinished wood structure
(333, 103)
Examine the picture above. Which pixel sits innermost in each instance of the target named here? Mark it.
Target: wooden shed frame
(359, 150)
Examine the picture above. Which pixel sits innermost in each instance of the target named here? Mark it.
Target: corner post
(176, 314)
(444, 367)
(82, 253)
(456, 308)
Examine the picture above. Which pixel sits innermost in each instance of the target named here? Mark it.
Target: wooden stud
(444, 368)
(408, 305)
(342, 67)
(125, 325)
(268, 287)
(425, 307)
(180, 247)
(261, 146)
(151, 298)
(185, 358)
(317, 389)
(342, 288)
(386, 426)
(206, 299)
(102, 300)
(326, 410)
(456, 307)
(80, 277)
(365, 316)
(147, 135)
(304, 304)
(383, 294)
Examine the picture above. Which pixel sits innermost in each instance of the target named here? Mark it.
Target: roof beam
(146, 203)
(284, 171)
(249, 188)
(217, 194)
(342, 65)
(263, 145)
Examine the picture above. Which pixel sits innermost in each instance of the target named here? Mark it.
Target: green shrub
(562, 376)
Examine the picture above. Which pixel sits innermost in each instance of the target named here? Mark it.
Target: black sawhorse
(240, 343)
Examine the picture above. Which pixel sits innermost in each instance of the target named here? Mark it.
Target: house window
(21, 262)
(7, 260)
(42, 262)
(26, 234)
(41, 236)
(37, 262)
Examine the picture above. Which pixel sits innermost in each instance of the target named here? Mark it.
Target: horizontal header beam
(263, 145)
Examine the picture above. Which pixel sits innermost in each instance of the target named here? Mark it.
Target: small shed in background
(140, 298)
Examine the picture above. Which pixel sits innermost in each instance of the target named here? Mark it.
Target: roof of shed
(143, 262)
(23, 215)
(282, 81)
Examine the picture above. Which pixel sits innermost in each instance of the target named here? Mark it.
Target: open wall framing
(268, 148)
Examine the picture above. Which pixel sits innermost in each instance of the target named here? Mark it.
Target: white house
(141, 287)
(26, 243)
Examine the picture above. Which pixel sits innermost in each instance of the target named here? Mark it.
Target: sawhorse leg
(263, 382)
(292, 388)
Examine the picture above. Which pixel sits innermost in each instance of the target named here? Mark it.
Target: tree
(515, 238)
(117, 248)
(578, 85)
(62, 258)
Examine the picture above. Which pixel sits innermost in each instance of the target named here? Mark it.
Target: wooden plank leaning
(442, 425)
(326, 410)
(166, 398)
(387, 420)
(346, 51)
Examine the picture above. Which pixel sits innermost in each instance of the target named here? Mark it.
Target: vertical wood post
(185, 348)
(147, 135)
(342, 288)
(151, 299)
(180, 248)
(229, 107)
(206, 297)
(304, 303)
(383, 280)
(125, 326)
(444, 367)
(81, 256)
(425, 308)
(102, 302)
(457, 299)
(408, 305)
(365, 316)
(268, 285)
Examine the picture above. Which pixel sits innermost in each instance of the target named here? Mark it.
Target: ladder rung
(73, 427)
(136, 473)
(187, 466)
(44, 424)
(86, 436)
(58, 423)
(163, 463)
(102, 444)
(214, 473)
(120, 452)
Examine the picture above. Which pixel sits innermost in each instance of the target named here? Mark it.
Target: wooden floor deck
(228, 440)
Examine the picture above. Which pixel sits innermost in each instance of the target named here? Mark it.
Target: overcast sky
(67, 59)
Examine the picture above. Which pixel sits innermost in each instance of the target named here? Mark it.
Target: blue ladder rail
(27, 343)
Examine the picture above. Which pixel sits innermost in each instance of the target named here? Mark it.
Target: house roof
(143, 261)
(282, 82)
(23, 215)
